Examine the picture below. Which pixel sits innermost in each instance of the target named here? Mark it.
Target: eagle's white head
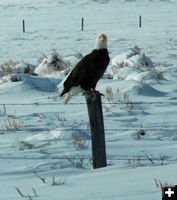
(101, 42)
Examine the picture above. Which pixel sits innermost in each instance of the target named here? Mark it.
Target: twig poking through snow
(37, 175)
(19, 192)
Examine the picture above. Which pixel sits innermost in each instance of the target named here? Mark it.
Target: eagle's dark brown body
(88, 71)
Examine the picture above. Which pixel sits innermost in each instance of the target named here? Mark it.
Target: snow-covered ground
(45, 146)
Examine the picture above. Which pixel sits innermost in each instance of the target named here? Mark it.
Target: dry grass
(142, 81)
(159, 74)
(118, 98)
(80, 142)
(127, 104)
(12, 124)
(39, 177)
(27, 196)
(124, 64)
(19, 192)
(61, 181)
(8, 67)
(76, 161)
(118, 76)
(135, 162)
(160, 185)
(3, 111)
(61, 119)
(109, 94)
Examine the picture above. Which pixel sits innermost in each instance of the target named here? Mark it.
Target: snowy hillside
(45, 146)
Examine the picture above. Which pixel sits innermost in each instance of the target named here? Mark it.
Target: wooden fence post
(23, 22)
(82, 24)
(97, 129)
(140, 21)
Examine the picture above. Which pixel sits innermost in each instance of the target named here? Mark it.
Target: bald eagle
(88, 70)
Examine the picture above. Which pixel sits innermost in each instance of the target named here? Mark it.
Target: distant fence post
(82, 24)
(97, 129)
(140, 21)
(23, 22)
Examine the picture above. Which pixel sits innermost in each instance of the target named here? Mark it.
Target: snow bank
(144, 89)
(41, 83)
(53, 66)
(134, 65)
(24, 68)
(132, 59)
(74, 58)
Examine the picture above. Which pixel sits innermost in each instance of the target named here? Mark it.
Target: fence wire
(84, 103)
(86, 130)
(131, 158)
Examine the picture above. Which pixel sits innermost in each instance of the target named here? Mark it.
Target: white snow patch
(41, 83)
(56, 134)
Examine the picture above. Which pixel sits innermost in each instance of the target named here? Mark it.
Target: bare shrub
(25, 145)
(80, 142)
(150, 159)
(11, 71)
(8, 67)
(55, 61)
(116, 72)
(138, 135)
(136, 49)
(60, 119)
(61, 181)
(159, 74)
(28, 69)
(135, 162)
(123, 63)
(77, 161)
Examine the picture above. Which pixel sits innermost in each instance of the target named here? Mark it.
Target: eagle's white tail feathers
(73, 91)
(67, 98)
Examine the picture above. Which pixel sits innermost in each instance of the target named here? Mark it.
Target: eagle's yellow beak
(102, 39)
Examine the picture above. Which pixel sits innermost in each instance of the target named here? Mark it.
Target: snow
(23, 68)
(42, 138)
